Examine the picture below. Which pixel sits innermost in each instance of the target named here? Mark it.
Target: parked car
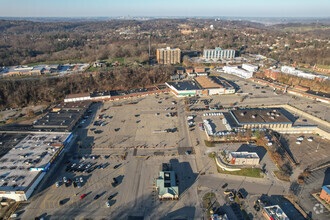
(81, 179)
(83, 196)
(107, 204)
(115, 167)
(97, 196)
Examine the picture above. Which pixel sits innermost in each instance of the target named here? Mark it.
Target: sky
(111, 8)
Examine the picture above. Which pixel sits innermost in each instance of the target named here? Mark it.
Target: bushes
(212, 155)
(208, 143)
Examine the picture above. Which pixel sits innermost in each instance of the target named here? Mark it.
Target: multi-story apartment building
(218, 53)
(168, 55)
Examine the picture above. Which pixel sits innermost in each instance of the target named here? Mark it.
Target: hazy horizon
(169, 8)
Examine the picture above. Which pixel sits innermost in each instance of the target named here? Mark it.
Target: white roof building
(24, 166)
(234, 70)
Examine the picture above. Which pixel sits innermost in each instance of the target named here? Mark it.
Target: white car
(81, 179)
(107, 204)
(298, 142)
(65, 179)
(300, 138)
(310, 139)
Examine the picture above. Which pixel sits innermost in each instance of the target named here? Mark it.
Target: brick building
(325, 193)
(168, 55)
(273, 74)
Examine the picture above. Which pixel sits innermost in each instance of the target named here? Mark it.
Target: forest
(31, 42)
(20, 93)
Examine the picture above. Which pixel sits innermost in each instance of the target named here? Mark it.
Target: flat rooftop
(207, 82)
(8, 141)
(260, 116)
(185, 85)
(64, 119)
(72, 105)
(221, 82)
(79, 95)
(244, 154)
(22, 164)
(276, 213)
(99, 94)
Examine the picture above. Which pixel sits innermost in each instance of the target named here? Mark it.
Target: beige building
(168, 55)
(243, 158)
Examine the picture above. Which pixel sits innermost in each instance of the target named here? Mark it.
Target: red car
(83, 196)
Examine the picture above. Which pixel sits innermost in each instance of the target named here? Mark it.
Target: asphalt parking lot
(313, 184)
(138, 127)
(98, 182)
(124, 125)
(308, 153)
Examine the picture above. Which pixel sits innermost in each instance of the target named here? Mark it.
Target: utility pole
(149, 43)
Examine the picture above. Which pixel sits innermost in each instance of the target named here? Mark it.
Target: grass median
(250, 172)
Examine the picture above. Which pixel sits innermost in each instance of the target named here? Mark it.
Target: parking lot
(82, 185)
(130, 139)
(63, 195)
(257, 94)
(133, 194)
(151, 122)
(307, 153)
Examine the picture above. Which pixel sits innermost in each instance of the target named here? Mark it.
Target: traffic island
(242, 171)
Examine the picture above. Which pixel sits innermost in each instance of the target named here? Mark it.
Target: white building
(77, 97)
(250, 67)
(234, 70)
(218, 53)
(274, 212)
(293, 71)
(25, 165)
(288, 70)
(243, 158)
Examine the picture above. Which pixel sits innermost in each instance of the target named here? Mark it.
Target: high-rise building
(218, 53)
(168, 55)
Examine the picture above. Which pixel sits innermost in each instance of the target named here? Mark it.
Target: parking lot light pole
(317, 148)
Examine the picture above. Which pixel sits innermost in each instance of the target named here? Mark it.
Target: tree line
(20, 93)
